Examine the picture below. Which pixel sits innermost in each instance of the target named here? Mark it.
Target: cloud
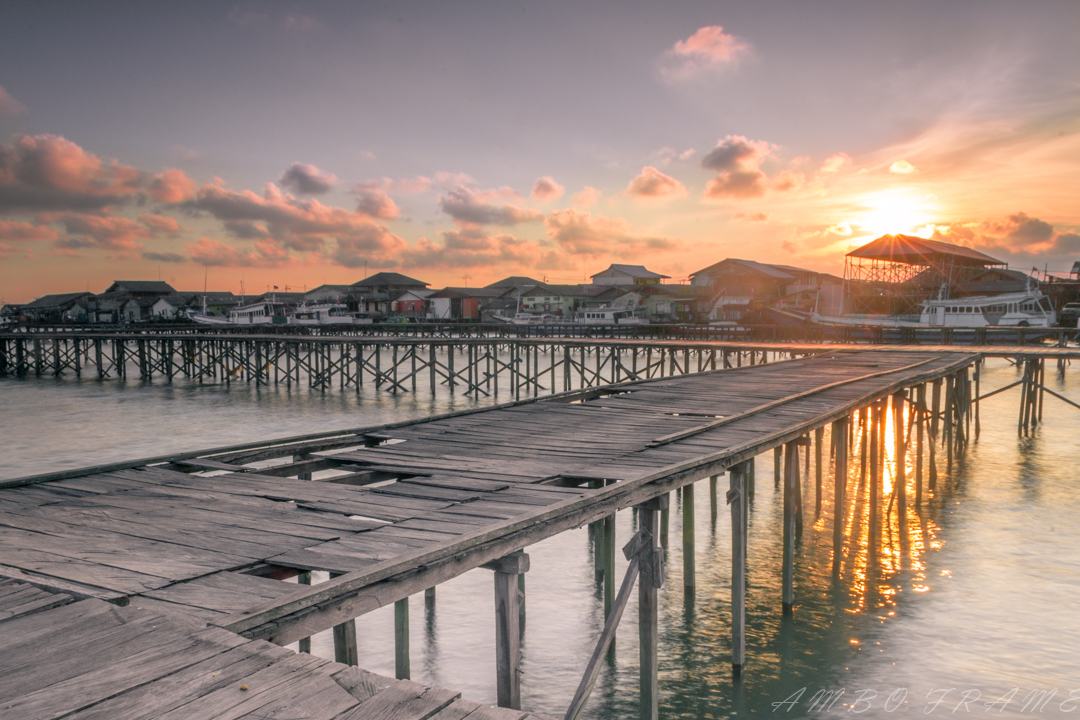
(653, 184)
(1019, 238)
(15, 231)
(736, 160)
(739, 184)
(736, 152)
(902, 167)
(372, 200)
(479, 208)
(206, 251)
(545, 190)
(475, 247)
(104, 232)
(9, 105)
(788, 180)
(373, 244)
(1028, 230)
(162, 224)
(579, 233)
(708, 50)
(49, 173)
(752, 217)
(293, 223)
(588, 196)
(164, 257)
(307, 180)
(835, 163)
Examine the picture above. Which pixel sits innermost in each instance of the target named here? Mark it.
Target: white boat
(1029, 308)
(608, 316)
(326, 314)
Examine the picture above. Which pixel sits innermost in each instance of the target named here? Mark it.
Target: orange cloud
(160, 223)
(588, 196)
(902, 167)
(172, 187)
(16, 231)
(475, 247)
(545, 189)
(708, 49)
(653, 184)
(481, 208)
(835, 163)
(206, 251)
(579, 233)
(372, 200)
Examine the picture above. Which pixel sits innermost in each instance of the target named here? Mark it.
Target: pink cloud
(172, 186)
(835, 163)
(160, 223)
(475, 247)
(307, 179)
(206, 251)
(103, 232)
(484, 208)
(708, 49)
(752, 217)
(372, 200)
(786, 180)
(738, 184)
(9, 105)
(546, 189)
(588, 196)
(651, 184)
(579, 233)
(373, 244)
(736, 160)
(16, 231)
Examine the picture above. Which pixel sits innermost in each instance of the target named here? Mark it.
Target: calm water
(981, 597)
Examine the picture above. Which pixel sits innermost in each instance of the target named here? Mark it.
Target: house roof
(468, 292)
(912, 250)
(567, 290)
(637, 271)
(52, 301)
(176, 300)
(780, 272)
(141, 286)
(515, 281)
(339, 288)
(390, 278)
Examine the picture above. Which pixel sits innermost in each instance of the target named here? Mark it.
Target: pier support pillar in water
(689, 580)
(304, 578)
(791, 509)
(736, 498)
(900, 455)
(402, 670)
(840, 453)
(508, 599)
(651, 579)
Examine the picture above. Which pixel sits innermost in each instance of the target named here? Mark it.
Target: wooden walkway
(212, 538)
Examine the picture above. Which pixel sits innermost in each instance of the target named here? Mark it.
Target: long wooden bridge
(480, 367)
(212, 552)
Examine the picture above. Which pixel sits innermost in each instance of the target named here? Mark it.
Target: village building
(411, 303)
(618, 274)
(740, 290)
(140, 288)
(328, 294)
(374, 294)
(457, 303)
(65, 307)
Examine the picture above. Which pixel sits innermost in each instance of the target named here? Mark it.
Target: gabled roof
(637, 271)
(780, 272)
(468, 292)
(141, 286)
(912, 250)
(567, 290)
(390, 278)
(515, 281)
(339, 288)
(52, 301)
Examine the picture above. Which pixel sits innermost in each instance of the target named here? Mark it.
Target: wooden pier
(215, 541)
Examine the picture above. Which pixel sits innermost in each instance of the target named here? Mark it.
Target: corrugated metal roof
(637, 271)
(917, 251)
(390, 278)
(50, 301)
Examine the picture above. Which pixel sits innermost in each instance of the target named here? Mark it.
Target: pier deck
(212, 538)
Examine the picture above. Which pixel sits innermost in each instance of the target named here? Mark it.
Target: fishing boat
(274, 312)
(608, 316)
(1029, 308)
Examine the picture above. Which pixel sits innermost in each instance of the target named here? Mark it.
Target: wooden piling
(304, 578)
(650, 580)
(791, 479)
(345, 643)
(401, 639)
(736, 498)
(819, 438)
(689, 580)
(900, 455)
(840, 436)
(508, 628)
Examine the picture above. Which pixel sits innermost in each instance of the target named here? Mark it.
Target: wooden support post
(819, 439)
(345, 643)
(778, 454)
(935, 417)
(652, 578)
(689, 580)
(608, 539)
(507, 627)
(875, 484)
(900, 455)
(978, 374)
(791, 479)
(304, 578)
(712, 500)
(840, 436)
(665, 521)
(401, 639)
(736, 498)
(920, 422)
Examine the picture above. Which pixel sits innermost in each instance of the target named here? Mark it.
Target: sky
(295, 144)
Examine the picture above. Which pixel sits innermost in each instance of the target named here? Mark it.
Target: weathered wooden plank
(404, 700)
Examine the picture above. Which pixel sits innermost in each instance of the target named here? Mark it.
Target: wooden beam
(402, 671)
